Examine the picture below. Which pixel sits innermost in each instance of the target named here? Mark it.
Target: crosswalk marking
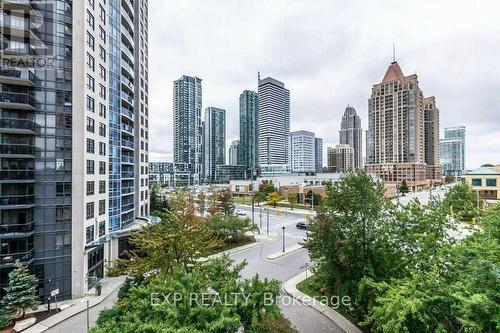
(292, 235)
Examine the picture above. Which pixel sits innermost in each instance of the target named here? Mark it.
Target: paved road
(303, 317)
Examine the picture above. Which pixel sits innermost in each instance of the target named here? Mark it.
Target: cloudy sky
(329, 54)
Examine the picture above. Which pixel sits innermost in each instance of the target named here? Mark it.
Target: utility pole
(283, 227)
(267, 209)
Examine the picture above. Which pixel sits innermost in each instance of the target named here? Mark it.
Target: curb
(290, 288)
(41, 327)
(292, 249)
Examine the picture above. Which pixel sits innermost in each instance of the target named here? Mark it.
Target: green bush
(4, 319)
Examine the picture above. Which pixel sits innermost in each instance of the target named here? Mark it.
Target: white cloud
(329, 54)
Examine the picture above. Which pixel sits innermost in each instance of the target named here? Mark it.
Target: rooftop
(393, 73)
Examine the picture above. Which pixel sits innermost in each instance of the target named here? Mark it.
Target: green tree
(226, 202)
(292, 199)
(230, 228)
(4, 319)
(461, 201)
(273, 198)
(199, 304)
(449, 179)
(202, 197)
(180, 239)
(403, 188)
(21, 293)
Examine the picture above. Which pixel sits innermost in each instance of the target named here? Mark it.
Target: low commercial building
(485, 181)
(225, 173)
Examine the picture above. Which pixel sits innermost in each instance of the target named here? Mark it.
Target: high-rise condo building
(188, 131)
(248, 129)
(431, 138)
(340, 158)
(452, 149)
(303, 152)
(318, 153)
(161, 173)
(214, 141)
(234, 152)
(396, 138)
(273, 125)
(73, 131)
(352, 134)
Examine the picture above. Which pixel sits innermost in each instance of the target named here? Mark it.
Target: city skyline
(346, 63)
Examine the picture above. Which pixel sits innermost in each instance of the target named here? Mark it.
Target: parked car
(302, 226)
(240, 213)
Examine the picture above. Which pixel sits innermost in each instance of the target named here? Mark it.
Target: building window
(102, 129)
(102, 34)
(89, 234)
(102, 72)
(90, 188)
(90, 104)
(91, 3)
(90, 146)
(90, 167)
(90, 210)
(63, 189)
(102, 91)
(102, 110)
(491, 182)
(90, 125)
(102, 186)
(102, 149)
(102, 207)
(476, 181)
(102, 168)
(90, 19)
(102, 53)
(90, 62)
(90, 82)
(102, 228)
(102, 14)
(90, 40)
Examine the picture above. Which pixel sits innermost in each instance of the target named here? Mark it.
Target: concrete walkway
(288, 250)
(78, 305)
(290, 288)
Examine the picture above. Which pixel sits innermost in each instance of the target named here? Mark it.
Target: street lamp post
(87, 310)
(267, 209)
(253, 196)
(283, 227)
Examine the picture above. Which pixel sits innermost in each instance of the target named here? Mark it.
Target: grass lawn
(229, 246)
(310, 287)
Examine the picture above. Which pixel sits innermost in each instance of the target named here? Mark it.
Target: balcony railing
(7, 149)
(22, 98)
(17, 200)
(127, 51)
(15, 123)
(17, 228)
(11, 258)
(128, 113)
(128, 36)
(126, 190)
(17, 74)
(127, 159)
(126, 174)
(128, 129)
(129, 144)
(17, 174)
(128, 68)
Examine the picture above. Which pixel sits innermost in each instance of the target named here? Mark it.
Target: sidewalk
(288, 250)
(290, 288)
(78, 305)
(282, 209)
(259, 240)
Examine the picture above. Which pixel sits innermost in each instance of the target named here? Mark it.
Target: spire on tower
(393, 52)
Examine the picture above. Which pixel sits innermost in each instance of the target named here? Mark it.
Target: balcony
(128, 98)
(128, 37)
(17, 175)
(128, 114)
(128, 53)
(127, 84)
(21, 101)
(15, 229)
(17, 126)
(128, 19)
(128, 144)
(127, 175)
(10, 258)
(128, 129)
(128, 207)
(128, 69)
(17, 77)
(129, 4)
(127, 190)
(20, 150)
(128, 159)
(17, 200)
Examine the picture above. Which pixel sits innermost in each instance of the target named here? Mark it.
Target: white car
(240, 213)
